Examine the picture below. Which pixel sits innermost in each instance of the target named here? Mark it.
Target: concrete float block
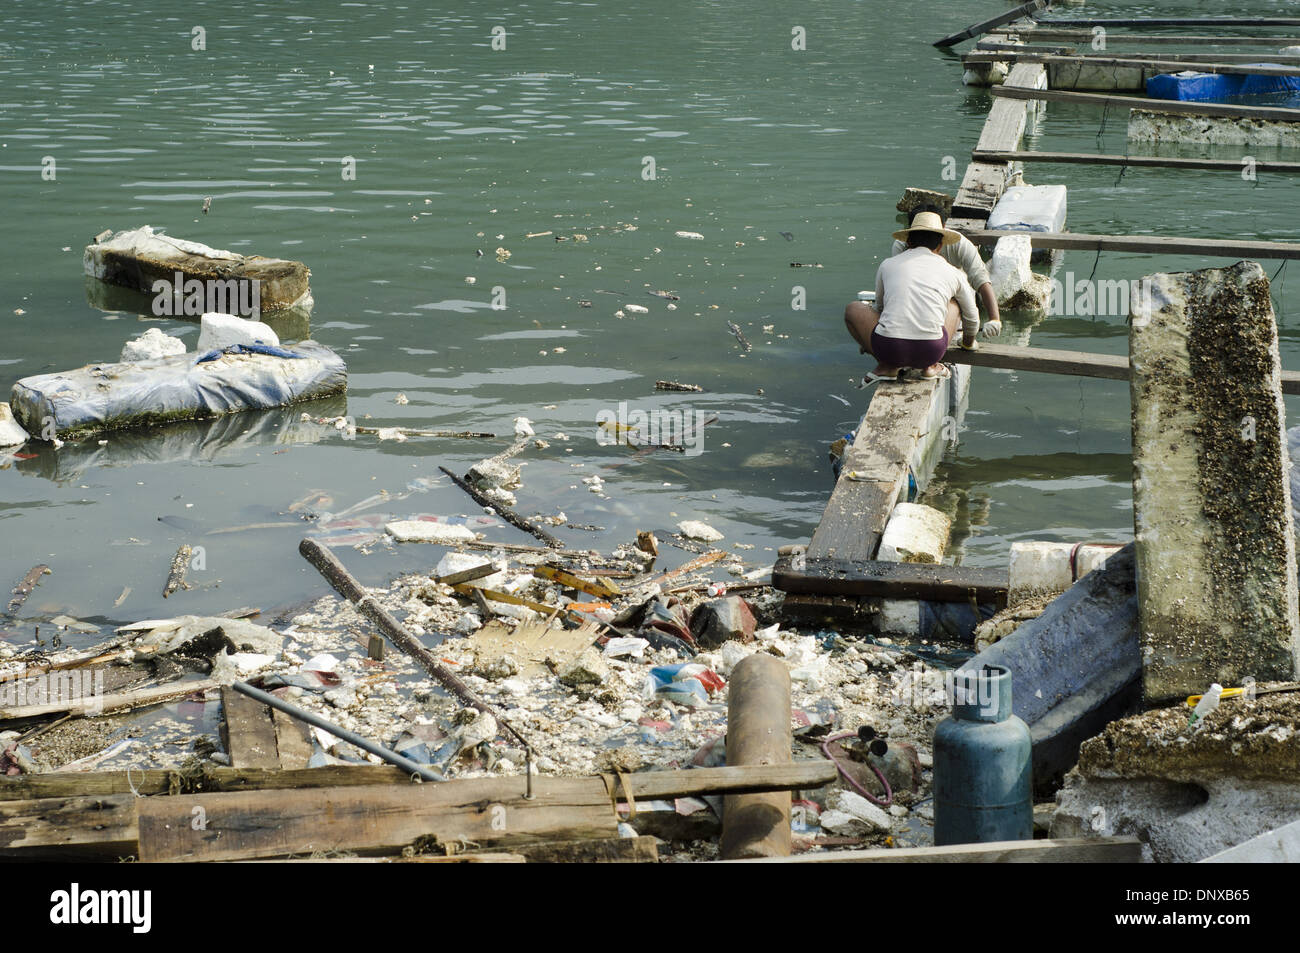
(224, 330)
(1215, 538)
(1146, 125)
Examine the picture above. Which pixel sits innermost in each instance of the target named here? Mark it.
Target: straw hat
(929, 222)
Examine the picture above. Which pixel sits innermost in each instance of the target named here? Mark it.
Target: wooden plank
(982, 184)
(1080, 850)
(1278, 113)
(107, 703)
(1167, 65)
(1148, 244)
(979, 56)
(247, 731)
(1136, 162)
(1089, 22)
(80, 825)
(1156, 39)
(25, 587)
(977, 29)
(732, 779)
(292, 740)
(1076, 363)
(213, 778)
(532, 645)
(607, 850)
(890, 580)
(377, 819)
(874, 473)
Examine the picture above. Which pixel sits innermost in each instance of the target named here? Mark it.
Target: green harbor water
(460, 147)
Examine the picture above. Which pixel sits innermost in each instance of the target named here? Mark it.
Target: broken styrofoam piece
(218, 331)
(459, 562)
(1038, 567)
(915, 533)
(852, 815)
(11, 433)
(152, 344)
(427, 531)
(695, 529)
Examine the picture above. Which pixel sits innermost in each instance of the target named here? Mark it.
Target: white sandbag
(11, 434)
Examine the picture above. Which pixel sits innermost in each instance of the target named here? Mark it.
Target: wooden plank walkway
(1244, 64)
(1090, 22)
(1080, 850)
(983, 183)
(1278, 113)
(1134, 162)
(1149, 244)
(1155, 39)
(1076, 363)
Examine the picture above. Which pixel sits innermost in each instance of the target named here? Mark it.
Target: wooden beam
(978, 29)
(1089, 23)
(1146, 244)
(1135, 162)
(1043, 360)
(889, 580)
(247, 731)
(71, 827)
(140, 698)
(1180, 107)
(1080, 850)
(1004, 53)
(1156, 39)
(1166, 65)
(874, 473)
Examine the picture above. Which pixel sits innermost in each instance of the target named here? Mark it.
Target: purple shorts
(901, 352)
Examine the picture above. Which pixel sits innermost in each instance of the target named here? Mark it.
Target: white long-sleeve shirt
(962, 255)
(912, 294)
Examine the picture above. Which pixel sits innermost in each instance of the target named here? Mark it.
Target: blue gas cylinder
(982, 763)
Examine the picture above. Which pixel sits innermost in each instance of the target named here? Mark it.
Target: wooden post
(758, 732)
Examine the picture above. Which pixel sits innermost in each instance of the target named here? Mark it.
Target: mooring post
(758, 732)
(1216, 562)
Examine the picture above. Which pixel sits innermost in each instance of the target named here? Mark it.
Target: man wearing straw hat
(920, 300)
(965, 257)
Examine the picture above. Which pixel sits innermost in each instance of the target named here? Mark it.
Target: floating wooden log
(822, 575)
(1153, 244)
(984, 26)
(467, 575)
(1180, 107)
(677, 385)
(1044, 360)
(505, 512)
(176, 574)
(1136, 162)
(25, 587)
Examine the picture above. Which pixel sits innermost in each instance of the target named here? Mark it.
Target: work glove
(992, 328)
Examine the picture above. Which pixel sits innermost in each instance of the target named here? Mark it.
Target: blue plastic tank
(983, 789)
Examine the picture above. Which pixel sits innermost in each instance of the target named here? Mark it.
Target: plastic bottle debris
(695, 235)
(687, 684)
(1209, 701)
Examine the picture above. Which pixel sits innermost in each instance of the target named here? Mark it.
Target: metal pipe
(392, 757)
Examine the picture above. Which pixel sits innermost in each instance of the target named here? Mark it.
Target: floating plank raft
(1153, 244)
(1136, 162)
(1161, 39)
(1244, 64)
(1182, 107)
(983, 183)
(1089, 22)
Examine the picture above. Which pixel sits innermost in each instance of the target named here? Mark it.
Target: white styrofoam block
(11, 434)
(1009, 270)
(426, 531)
(915, 533)
(222, 330)
(152, 344)
(1034, 208)
(899, 618)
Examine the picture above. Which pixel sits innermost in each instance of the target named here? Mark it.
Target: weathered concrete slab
(1280, 846)
(1188, 794)
(1152, 126)
(1215, 540)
